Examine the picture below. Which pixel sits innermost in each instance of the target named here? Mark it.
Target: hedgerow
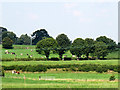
(74, 67)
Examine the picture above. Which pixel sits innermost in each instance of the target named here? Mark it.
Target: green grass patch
(61, 80)
(101, 62)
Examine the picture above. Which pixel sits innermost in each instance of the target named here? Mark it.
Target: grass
(61, 80)
(102, 62)
(18, 49)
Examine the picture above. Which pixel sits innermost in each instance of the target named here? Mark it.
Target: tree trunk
(60, 56)
(87, 55)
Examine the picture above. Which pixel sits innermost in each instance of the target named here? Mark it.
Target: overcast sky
(75, 19)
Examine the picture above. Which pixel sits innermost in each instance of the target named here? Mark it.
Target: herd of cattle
(13, 53)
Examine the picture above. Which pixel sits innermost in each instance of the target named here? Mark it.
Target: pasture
(59, 80)
(53, 78)
(102, 62)
(21, 51)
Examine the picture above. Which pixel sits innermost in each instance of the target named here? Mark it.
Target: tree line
(46, 43)
(24, 39)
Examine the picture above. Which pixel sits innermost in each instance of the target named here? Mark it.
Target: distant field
(102, 62)
(60, 80)
(25, 52)
(26, 49)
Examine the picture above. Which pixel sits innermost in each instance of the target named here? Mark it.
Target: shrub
(54, 59)
(73, 68)
(63, 69)
(67, 58)
(2, 73)
(7, 43)
(66, 69)
(99, 69)
(56, 69)
(112, 78)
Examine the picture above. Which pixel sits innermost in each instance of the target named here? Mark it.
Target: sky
(75, 19)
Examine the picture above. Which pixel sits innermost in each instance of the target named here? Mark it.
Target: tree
(101, 49)
(109, 42)
(39, 35)
(46, 45)
(2, 29)
(7, 43)
(24, 40)
(9, 34)
(89, 46)
(64, 44)
(78, 47)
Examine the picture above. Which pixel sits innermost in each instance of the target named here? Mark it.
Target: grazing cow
(15, 72)
(12, 53)
(30, 56)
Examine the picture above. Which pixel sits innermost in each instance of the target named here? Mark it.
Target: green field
(26, 49)
(102, 62)
(60, 80)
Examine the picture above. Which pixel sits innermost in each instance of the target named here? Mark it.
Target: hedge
(74, 67)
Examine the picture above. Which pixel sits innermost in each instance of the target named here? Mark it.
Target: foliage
(101, 49)
(2, 29)
(112, 78)
(46, 45)
(89, 46)
(2, 72)
(77, 47)
(74, 67)
(7, 43)
(10, 35)
(108, 41)
(64, 43)
(39, 35)
(23, 40)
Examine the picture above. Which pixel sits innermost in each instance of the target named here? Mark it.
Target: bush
(7, 43)
(66, 69)
(112, 78)
(73, 68)
(63, 69)
(81, 67)
(2, 73)
(99, 69)
(54, 59)
(67, 58)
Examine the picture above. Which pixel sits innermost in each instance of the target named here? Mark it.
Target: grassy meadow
(26, 49)
(53, 79)
(102, 62)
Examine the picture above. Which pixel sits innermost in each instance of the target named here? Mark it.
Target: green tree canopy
(2, 29)
(101, 49)
(7, 43)
(89, 46)
(108, 41)
(64, 44)
(78, 47)
(46, 45)
(24, 40)
(39, 35)
(9, 34)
